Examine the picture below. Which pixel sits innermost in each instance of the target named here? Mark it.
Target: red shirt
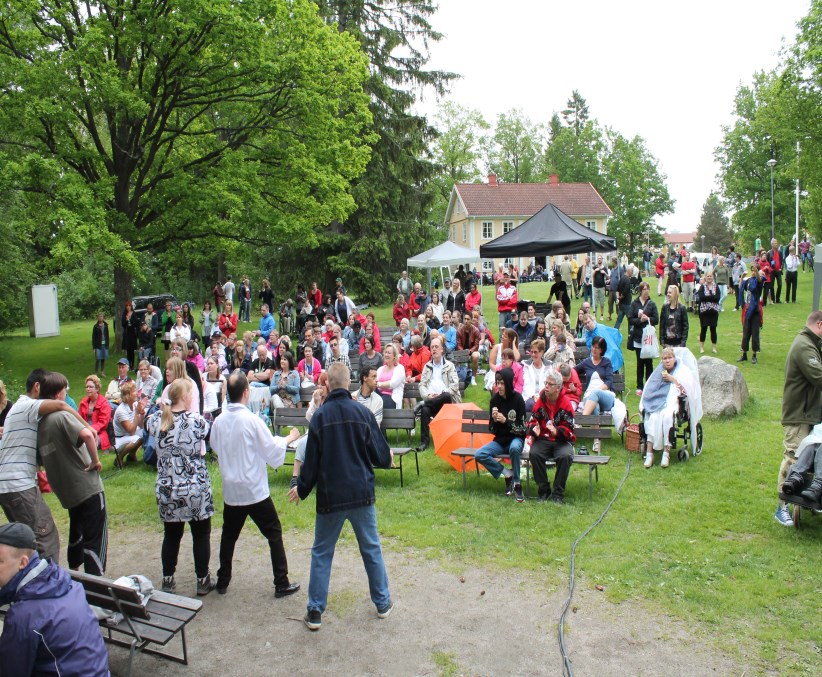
(688, 270)
(315, 298)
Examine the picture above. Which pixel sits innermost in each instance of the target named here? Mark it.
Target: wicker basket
(632, 440)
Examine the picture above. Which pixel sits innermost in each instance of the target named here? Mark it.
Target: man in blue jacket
(49, 628)
(344, 445)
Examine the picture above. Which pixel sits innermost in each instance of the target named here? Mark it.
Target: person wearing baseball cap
(49, 628)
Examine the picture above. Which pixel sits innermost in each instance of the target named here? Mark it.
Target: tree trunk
(122, 292)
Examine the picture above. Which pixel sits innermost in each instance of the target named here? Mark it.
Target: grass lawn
(697, 541)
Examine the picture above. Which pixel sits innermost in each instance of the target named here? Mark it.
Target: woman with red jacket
(551, 432)
(95, 409)
(766, 272)
(401, 310)
(473, 299)
(228, 319)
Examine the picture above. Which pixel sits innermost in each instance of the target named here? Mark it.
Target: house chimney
(492, 179)
(553, 180)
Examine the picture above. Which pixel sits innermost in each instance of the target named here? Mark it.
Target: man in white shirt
(245, 446)
(228, 288)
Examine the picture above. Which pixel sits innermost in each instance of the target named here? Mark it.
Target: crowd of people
(215, 383)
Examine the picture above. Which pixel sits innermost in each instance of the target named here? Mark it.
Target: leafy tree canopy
(126, 128)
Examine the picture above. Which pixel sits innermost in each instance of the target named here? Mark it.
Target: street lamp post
(771, 164)
(703, 243)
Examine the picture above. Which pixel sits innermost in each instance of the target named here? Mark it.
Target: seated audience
(439, 385)
(96, 410)
(367, 394)
(391, 379)
(128, 417)
(113, 390)
(508, 426)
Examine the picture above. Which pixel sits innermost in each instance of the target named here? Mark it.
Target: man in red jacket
(775, 259)
(506, 302)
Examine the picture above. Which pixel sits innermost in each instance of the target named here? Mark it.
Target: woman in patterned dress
(183, 484)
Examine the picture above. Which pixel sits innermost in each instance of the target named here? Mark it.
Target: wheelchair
(681, 430)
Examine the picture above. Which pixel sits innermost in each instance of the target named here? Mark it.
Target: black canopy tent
(549, 232)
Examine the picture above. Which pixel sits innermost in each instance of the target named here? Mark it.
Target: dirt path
(490, 624)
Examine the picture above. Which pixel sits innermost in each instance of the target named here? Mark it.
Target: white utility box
(44, 316)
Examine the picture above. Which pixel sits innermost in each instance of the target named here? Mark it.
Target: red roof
(526, 199)
(679, 238)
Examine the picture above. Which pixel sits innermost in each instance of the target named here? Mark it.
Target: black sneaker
(169, 584)
(286, 590)
(205, 585)
(313, 620)
(518, 493)
(385, 611)
(509, 485)
(557, 499)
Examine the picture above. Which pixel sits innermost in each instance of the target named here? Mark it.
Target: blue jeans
(327, 530)
(604, 400)
(486, 453)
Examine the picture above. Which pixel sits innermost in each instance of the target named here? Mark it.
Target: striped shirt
(18, 454)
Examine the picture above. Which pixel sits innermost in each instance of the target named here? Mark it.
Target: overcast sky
(666, 71)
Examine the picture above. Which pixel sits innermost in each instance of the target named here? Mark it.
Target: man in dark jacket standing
(344, 445)
(801, 399)
(49, 628)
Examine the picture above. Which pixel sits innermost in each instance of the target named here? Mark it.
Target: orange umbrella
(446, 429)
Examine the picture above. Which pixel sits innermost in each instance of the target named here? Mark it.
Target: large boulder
(724, 390)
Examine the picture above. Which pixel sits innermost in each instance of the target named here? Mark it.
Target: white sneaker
(649, 459)
(666, 460)
(473, 381)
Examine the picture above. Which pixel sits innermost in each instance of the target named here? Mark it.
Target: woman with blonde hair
(96, 410)
(509, 340)
(183, 488)
(391, 379)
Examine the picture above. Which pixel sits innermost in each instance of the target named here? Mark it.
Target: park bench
(140, 625)
(477, 422)
(287, 417)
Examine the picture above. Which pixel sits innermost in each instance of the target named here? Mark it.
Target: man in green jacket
(801, 398)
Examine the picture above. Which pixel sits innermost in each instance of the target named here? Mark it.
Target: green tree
(127, 128)
(576, 158)
(635, 190)
(395, 194)
(714, 225)
(516, 148)
(457, 151)
(576, 113)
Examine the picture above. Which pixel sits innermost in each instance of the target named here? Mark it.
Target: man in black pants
(245, 446)
(775, 259)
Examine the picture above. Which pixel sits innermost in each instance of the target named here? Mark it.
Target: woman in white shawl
(659, 403)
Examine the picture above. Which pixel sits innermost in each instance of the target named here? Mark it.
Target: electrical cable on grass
(566, 661)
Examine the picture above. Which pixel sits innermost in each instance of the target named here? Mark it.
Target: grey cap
(17, 535)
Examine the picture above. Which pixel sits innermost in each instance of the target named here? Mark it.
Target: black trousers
(430, 409)
(708, 320)
(88, 535)
(767, 292)
(644, 369)
(201, 537)
(750, 332)
(791, 278)
(560, 452)
(264, 515)
(777, 282)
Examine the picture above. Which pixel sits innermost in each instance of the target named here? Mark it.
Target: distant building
(480, 212)
(677, 241)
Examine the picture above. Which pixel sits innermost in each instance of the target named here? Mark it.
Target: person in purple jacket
(49, 628)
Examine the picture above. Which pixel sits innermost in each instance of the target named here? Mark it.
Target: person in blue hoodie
(49, 628)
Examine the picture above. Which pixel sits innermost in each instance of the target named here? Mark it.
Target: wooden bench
(473, 422)
(398, 420)
(287, 417)
(156, 622)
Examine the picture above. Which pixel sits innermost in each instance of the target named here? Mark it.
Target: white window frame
(488, 265)
(591, 224)
(465, 232)
(487, 230)
(507, 227)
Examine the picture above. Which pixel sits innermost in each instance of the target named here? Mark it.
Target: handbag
(650, 346)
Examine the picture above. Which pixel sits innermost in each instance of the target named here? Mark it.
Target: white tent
(443, 255)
